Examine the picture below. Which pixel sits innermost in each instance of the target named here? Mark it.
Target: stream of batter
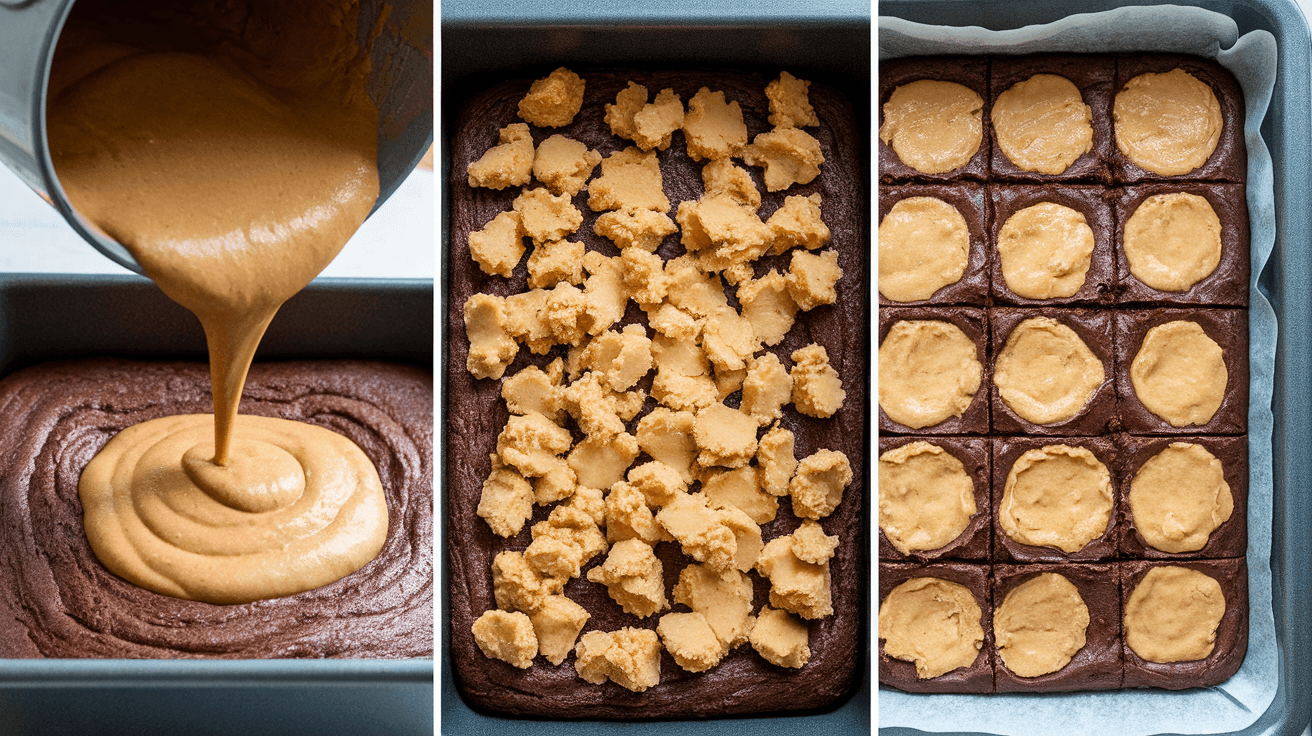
(230, 146)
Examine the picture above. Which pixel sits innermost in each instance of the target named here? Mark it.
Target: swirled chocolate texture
(60, 601)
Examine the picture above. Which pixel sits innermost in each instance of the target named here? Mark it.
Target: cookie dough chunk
(1045, 250)
(554, 100)
(768, 306)
(798, 223)
(724, 538)
(725, 436)
(817, 389)
(723, 598)
(1045, 373)
(790, 106)
(668, 437)
(1042, 124)
(1173, 241)
(632, 575)
(928, 372)
(775, 460)
(630, 180)
(1056, 496)
(545, 217)
(557, 625)
(932, 126)
(517, 585)
(690, 640)
(507, 636)
(509, 164)
(631, 658)
(811, 278)
(766, 388)
(564, 165)
(780, 638)
(1173, 614)
(817, 487)
(620, 114)
(507, 500)
(1179, 373)
(740, 488)
(655, 123)
(795, 585)
(713, 128)
(491, 348)
(637, 228)
(926, 498)
(1179, 497)
(924, 245)
(788, 155)
(932, 622)
(498, 247)
(1169, 123)
(551, 263)
(1040, 625)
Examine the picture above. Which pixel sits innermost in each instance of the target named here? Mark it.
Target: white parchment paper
(1238, 702)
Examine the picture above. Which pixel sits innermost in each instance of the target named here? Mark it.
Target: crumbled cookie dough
(557, 625)
(790, 103)
(667, 436)
(811, 278)
(817, 487)
(630, 180)
(683, 380)
(724, 598)
(507, 636)
(811, 544)
(719, 537)
(533, 390)
(554, 100)
(672, 322)
(557, 484)
(507, 500)
(635, 228)
(788, 155)
(563, 165)
(741, 489)
(722, 176)
(545, 217)
(775, 458)
(817, 389)
(698, 293)
(797, 223)
(508, 164)
(644, 275)
(619, 116)
(729, 340)
(631, 658)
(620, 359)
(766, 388)
(564, 543)
(721, 232)
(690, 640)
(780, 638)
(795, 584)
(655, 123)
(532, 443)
(491, 347)
(628, 516)
(725, 436)
(524, 320)
(600, 461)
(728, 382)
(768, 306)
(517, 586)
(659, 483)
(713, 128)
(555, 262)
(593, 407)
(565, 314)
(606, 296)
(632, 575)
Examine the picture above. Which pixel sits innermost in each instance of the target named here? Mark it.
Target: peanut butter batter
(1169, 123)
(932, 622)
(928, 372)
(1179, 373)
(1040, 625)
(232, 151)
(1173, 241)
(1179, 497)
(1045, 373)
(1056, 496)
(1173, 614)
(924, 245)
(1046, 250)
(1042, 124)
(934, 127)
(926, 498)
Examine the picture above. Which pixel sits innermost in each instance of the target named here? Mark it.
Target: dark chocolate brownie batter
(61, 602)
(474, 414)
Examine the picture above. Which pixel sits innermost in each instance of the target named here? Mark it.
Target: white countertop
(396, 242)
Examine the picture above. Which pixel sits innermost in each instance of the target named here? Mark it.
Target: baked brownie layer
(474, 414)
(975, 542)
(61, 602)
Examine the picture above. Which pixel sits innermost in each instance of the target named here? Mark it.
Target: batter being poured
(233, 155)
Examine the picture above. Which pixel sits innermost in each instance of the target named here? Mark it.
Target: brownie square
(969, 71)
(1090, 201)
(969, 199)
(1229, 162)
(1228, 327)
(975, 542)
(1095, 328)
(1227, 285)
(1093, 76)
(1231, 634)
(1230, 539)
(1096, 666)
(1006, 450)
(978, 677)
(974, 323)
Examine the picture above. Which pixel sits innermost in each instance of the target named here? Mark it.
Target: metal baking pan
(484, 43)
(1284, 282)
(59, 317)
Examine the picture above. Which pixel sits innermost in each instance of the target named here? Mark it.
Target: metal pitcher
(401, 86)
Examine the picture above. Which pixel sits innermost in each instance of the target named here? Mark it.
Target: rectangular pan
(61, 316)
(1284, 282)
(482, 45)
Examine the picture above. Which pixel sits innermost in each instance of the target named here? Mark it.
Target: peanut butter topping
(1040, 625)
(1169, 123)
(233, 153)
(926, 498)
(928, 372)
(934, 127)
(1045, 373)
(1173, 614)
(1179, 497)
(932, 622)
(1056, 496)
(1179, 373)
(1173, 241)
(924, 245)
(1042, 124)
(1046, 250)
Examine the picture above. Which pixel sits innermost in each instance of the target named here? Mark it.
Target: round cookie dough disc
(1179, 373)
(1173, 614)
(926, 498)
(1056, 496)
(1173, 241)
(932, 622)
(1045, 250)
(924, 245)
(1040, 625)
(1045, 373)
(1179, 497)
(933, 126)
(1042, 124)
(928, 372)
(1169, 123)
